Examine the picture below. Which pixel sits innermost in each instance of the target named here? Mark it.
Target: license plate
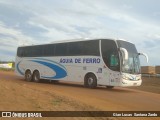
(134, 84)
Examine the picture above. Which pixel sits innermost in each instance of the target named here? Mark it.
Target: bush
(7, 69)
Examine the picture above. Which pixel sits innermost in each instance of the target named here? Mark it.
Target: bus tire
(109, 87)
(36, 76)
(85, 82)
(28, 76)
(90, 81)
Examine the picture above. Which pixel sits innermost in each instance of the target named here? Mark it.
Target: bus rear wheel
(36, 76)
(90, 81)
(28, 76)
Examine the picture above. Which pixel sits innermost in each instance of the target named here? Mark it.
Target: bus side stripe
(60, 72)
(19, 69)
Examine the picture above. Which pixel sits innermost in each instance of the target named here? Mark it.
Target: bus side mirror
(144, 54)
(124, 53)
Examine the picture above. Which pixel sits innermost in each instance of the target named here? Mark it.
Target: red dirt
(17, 94)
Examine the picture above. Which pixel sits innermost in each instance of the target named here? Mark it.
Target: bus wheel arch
(36, 76)
(90, 80)
(28, 75)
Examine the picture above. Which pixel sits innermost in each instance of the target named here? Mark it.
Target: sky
(27, 22)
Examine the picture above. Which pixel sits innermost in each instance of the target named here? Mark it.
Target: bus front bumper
(127, 83)
(130, 80)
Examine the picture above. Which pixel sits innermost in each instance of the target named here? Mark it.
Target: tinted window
(36, 51)
(91, 48)
(61, 49)
(127, 45)
(48, 50)
(84, 48)
(27, 51)
(75, 48)
(20, 52)
(110, 54)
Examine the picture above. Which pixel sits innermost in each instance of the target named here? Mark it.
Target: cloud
(17, 36)
(47, 21)
(10, 39)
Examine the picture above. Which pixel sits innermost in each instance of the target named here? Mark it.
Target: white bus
(105, 62)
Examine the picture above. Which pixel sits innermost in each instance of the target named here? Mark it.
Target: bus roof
(81, 39)
(76, 40)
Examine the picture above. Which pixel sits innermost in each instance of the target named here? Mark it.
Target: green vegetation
(7, 69)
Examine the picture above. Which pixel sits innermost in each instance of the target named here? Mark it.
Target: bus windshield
(132, 65)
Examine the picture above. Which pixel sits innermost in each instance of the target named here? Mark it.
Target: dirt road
(101, 98)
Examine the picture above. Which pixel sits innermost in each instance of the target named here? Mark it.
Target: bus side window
(110, 54)
(20, 52)
(113, 60)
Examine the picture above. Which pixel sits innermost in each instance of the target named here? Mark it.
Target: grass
(7, 69)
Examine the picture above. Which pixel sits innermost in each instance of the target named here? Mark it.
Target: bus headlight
(131, 77)
(124, 77)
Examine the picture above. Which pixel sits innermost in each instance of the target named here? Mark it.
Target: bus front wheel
(28, 76)
(90, 81)
(36, 76)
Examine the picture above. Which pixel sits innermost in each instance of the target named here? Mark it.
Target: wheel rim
(90, 81)
(28, 76)
(35, 78)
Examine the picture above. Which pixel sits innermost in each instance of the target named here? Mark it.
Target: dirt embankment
(150, 84)
(17, 94)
